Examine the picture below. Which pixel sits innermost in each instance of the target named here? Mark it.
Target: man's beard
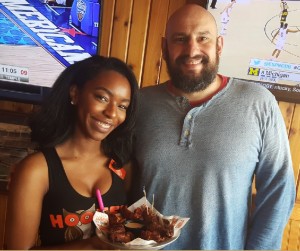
(190, 83)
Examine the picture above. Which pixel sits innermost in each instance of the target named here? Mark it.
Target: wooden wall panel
(291, 235)
(121, 29)
(153, 57)
(294, 139)
(138, 43)
(138, 36)
(287, 111)
(286, 239)
(3, 204)
(16, 106)
(108, 9)
(292, 242)
(291, 115)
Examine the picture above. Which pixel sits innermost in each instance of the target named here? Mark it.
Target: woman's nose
(110, 110)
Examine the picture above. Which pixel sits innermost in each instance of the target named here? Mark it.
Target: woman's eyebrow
(109, 92)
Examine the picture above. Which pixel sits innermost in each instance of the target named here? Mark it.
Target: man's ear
(73, 94)
(220, 42)
(164, 47)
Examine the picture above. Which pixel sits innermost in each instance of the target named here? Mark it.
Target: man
(282, 32)
(283, 12)
(213, 4)
(200, 140)
(225, 17)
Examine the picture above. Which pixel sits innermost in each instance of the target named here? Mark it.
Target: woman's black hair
(55, 120)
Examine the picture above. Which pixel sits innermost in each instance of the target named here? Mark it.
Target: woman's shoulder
(33, 165)
(33, 160)
(30, 173)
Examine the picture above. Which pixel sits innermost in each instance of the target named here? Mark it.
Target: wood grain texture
(153, 56)
(106, 27)
(291, 235)
(294, 139)
(287, 111)
(121, 29)
(16, 107)
(291, 115)
(3, 204)
(138, 36)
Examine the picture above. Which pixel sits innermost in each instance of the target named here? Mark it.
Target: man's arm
(293, 31)
(275, 185)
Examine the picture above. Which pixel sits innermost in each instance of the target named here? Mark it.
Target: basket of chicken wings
(139, 226)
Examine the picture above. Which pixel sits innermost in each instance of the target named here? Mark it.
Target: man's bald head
(190, 14)
(192, 48)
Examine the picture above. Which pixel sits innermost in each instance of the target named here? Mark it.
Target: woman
(84, 131)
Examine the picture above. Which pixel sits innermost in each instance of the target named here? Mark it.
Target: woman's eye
(102, 98)
(123, 107)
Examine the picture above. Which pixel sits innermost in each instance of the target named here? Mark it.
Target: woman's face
(101, 104)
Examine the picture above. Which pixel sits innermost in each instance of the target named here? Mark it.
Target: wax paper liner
(101, 221)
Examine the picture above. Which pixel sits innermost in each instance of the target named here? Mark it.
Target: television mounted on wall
(251, 32)
(39, 39)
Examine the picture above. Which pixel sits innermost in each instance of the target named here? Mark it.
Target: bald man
(202, 137)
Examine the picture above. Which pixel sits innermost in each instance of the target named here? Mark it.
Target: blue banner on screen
(70, 34)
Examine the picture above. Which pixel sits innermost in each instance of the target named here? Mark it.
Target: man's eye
(179, 39)
(202, 38)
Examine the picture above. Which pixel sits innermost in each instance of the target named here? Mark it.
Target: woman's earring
(72, 102)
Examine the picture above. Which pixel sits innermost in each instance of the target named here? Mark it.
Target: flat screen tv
(39, 38)
(250, 29)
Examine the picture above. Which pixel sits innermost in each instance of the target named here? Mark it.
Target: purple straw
(100, 201)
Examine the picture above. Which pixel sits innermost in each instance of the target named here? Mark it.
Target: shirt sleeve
(121, 172)
(275, 185)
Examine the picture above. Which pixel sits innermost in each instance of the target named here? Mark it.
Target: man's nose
(192, 47)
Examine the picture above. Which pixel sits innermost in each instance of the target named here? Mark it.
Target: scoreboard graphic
(52, 27)
(261, 44)
(251, 40)
(39, 39)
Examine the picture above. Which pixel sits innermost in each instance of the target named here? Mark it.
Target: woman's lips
(104, 125)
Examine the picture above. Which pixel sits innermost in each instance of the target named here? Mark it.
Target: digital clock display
(14, 74)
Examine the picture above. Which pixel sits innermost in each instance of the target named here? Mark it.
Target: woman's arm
(27, 189)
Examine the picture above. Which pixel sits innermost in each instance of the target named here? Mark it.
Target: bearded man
(202, 137)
